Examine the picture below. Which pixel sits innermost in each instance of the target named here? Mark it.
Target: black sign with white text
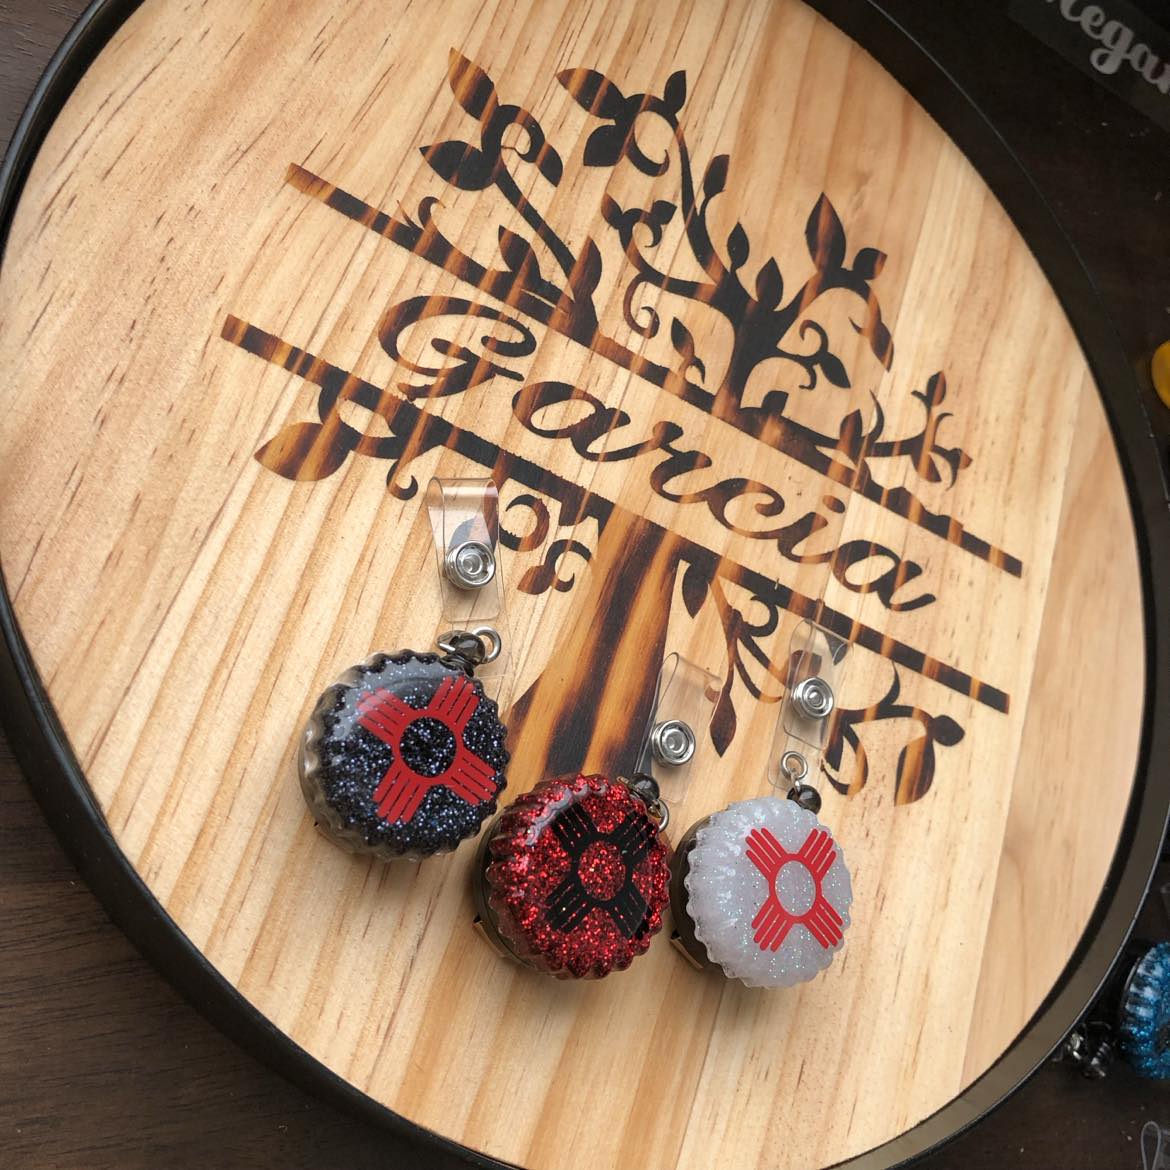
(1111, 41)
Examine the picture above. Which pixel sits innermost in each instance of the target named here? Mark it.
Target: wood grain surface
(1026, 897)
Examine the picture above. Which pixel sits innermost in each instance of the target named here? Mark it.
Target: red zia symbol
(773, 922)
(411, 730)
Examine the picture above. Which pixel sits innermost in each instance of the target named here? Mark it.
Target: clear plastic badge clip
(465, 527)
(815, 676)
(684, 702)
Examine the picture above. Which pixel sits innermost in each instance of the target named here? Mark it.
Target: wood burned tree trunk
(588, 709)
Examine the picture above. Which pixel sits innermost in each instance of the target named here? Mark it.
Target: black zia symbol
(601, 873)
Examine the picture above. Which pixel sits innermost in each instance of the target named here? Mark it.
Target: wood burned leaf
(715, 178)
(460, 164)
(825, 235)
(675, 93)
(869, 263)
(624, 221)
(955, 459)
(472, 87)
(834, 369)
(594, 92)
(660, 214)
(586, 274)
(543, 577)
(880, 342)
(738, 247)
(915, 772)
(723, 723)
(946, 731)
(935, 392)
(684, 342)
(519, 255)
(537, 580)
(548, 162)
(603, 148)
(769, 285)
(695, 583)
(842, 734)
(613, 213)
(851, 435)
(928, 471)
(296, 452)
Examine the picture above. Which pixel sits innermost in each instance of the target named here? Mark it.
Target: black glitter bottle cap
(403, 756)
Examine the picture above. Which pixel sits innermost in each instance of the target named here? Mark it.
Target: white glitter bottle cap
(767, 892)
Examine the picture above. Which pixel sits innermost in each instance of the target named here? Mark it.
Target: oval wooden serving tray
(743, 338)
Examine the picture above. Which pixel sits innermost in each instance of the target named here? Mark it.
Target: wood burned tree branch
(926, 454)
(547, 574)
(742, 638)
(472, 168)
(915, 769)
(758, 319)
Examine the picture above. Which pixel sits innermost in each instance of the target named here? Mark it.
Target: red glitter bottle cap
(576, 877)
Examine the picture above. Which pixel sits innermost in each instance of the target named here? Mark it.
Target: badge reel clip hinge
(465, 528)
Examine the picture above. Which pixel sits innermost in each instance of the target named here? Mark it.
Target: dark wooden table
(102, 1064)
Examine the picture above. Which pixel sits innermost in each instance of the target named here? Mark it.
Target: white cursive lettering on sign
(1118, 44)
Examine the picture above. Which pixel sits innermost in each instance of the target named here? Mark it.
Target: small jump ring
(494, 643)
(794, 766)
(663, 811)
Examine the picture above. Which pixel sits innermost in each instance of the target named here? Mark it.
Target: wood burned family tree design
(540, 279)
